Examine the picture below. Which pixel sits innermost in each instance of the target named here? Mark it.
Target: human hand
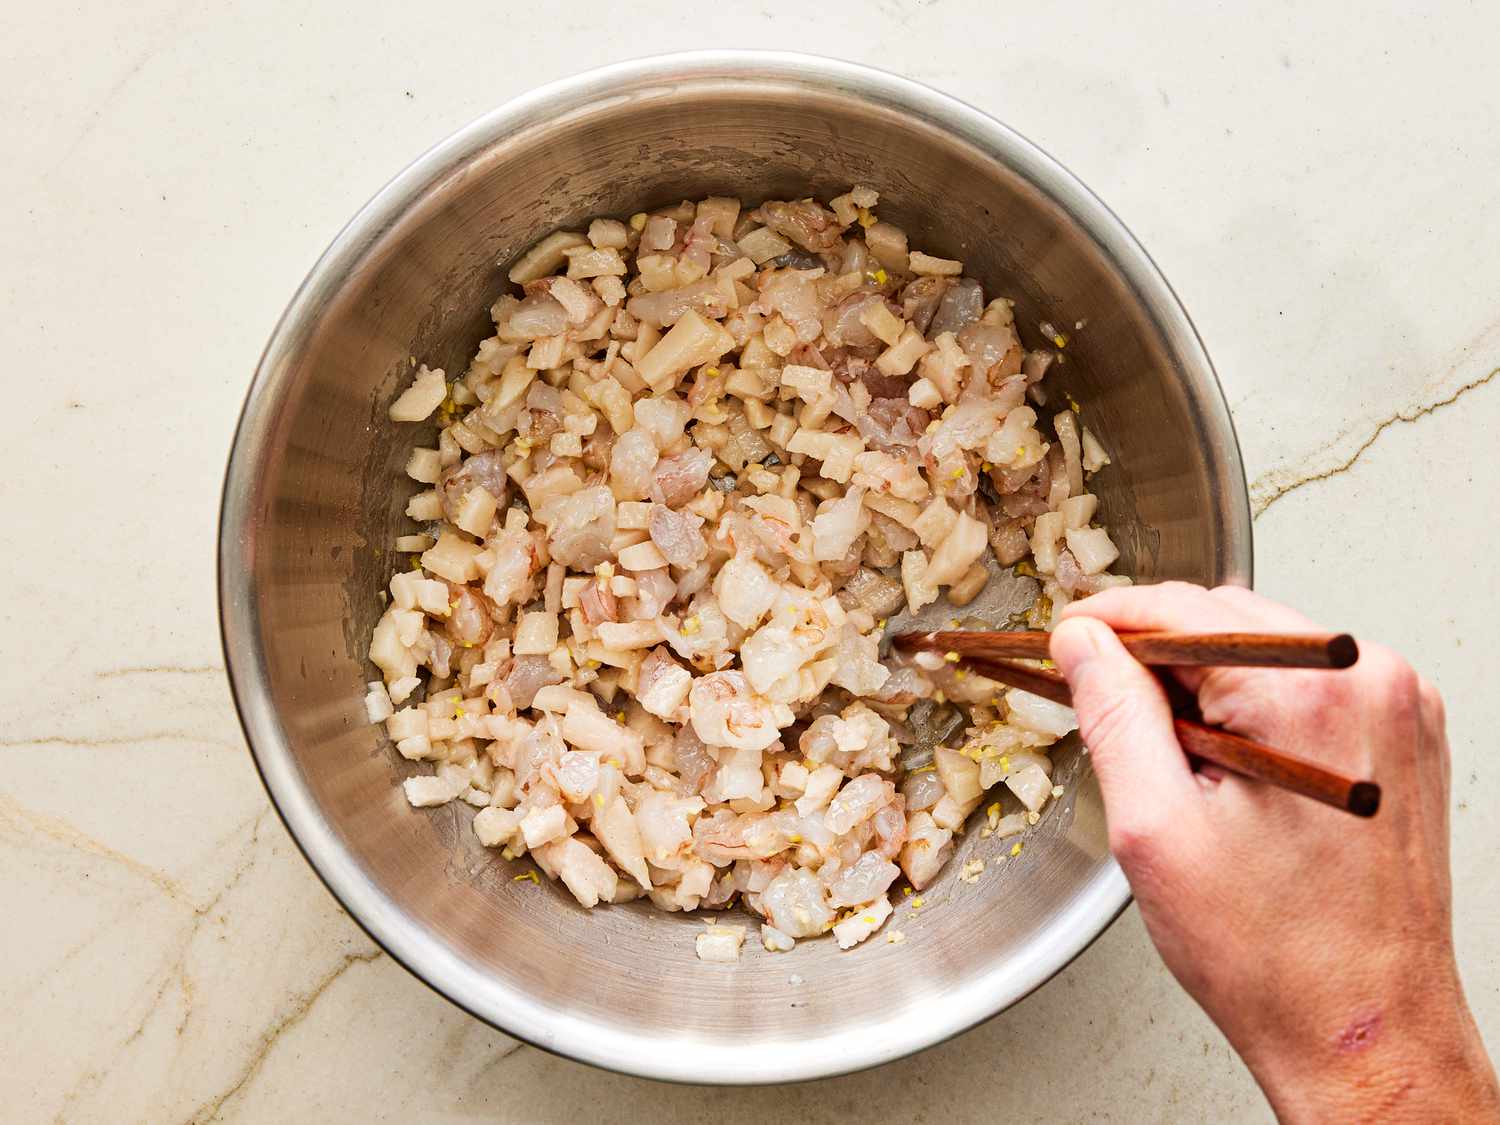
(1320, 944)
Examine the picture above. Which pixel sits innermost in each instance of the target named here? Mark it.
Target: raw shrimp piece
(680, 477)
(745, 590)
(870, 877)
(857, 801)
(663, 825)
(807, 224)
(796, 904)
(484, 470)
(677, 535)
(725, 712)
(662, 685)
(759, 835)
(926, 849)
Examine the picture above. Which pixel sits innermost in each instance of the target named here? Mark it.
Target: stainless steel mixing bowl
(315, 493)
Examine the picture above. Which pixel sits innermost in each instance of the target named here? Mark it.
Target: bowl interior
(316, 493)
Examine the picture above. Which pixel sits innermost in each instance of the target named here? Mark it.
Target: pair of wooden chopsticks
(991, 654)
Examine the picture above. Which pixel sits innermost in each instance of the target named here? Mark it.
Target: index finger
(1184, 607)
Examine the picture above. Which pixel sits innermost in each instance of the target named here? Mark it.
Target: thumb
(1126, 722)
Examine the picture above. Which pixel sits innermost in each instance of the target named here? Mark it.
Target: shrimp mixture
(707, 453)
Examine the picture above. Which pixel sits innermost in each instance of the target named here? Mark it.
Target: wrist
(1425, 1062)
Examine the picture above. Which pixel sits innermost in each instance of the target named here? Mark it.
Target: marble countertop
(1320, 189)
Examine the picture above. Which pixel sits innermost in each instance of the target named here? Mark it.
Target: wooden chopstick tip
(1364, 798)
(1343, 652)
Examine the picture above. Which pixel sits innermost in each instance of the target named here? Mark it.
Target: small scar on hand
(1360, 1034)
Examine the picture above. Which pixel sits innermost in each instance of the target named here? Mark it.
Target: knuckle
(1404, 686)
(1433, 707)
(1246, 607)
(1235, 595)
(1393, 677)
(1252, 608)
(1442, 754)
(1176, 588)
(1385, 672)
(1375, 660)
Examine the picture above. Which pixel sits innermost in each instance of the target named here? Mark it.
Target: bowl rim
(1084, 919)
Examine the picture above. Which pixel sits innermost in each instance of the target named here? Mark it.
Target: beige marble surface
(1318, 185)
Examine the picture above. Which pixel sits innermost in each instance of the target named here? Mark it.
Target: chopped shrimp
(725, 712)
(469, 621)
(706, 455)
